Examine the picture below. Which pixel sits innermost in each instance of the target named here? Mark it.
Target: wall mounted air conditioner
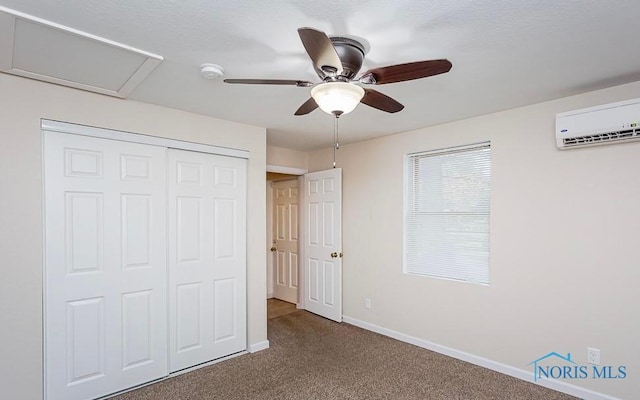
(606, 124)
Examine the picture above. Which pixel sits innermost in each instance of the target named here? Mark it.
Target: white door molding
(286, 170)
(84, 130)
(269, 243)
(301, 241)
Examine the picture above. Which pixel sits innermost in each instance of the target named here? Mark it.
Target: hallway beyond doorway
(277, 308)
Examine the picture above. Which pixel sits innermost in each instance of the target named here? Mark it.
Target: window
(447, 213)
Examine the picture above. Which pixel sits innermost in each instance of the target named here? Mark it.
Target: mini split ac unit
(606, 124)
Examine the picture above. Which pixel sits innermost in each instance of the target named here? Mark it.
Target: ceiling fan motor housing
(351, 53)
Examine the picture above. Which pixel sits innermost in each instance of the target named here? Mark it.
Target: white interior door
(285, 240)
(207, 257)
(105, 265)
(323, 243)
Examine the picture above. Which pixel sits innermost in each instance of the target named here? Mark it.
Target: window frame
(409, 209)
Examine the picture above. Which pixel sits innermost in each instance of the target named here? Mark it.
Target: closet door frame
(85, 130)
(89, 131)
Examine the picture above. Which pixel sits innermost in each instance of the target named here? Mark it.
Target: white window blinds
(447, 213)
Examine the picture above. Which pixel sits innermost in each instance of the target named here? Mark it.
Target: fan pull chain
(336, 143)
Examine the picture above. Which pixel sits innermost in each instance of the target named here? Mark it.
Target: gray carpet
(314, 358)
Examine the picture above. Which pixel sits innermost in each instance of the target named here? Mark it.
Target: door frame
(299, 172)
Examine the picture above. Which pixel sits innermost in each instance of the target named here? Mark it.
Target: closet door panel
(207, 257)
(105, 265)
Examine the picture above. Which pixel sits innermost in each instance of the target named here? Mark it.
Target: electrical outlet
(367, 303)
(593, 356)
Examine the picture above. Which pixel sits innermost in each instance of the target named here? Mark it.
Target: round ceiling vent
(211, 71)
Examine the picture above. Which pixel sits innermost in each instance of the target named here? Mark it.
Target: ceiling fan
(337, 61)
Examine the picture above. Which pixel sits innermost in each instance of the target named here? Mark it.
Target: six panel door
(285, 238)
(323, 243)
(105, 289)
(207, 257)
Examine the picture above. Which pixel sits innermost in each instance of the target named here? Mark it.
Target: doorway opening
(304, 239)
(283, 216)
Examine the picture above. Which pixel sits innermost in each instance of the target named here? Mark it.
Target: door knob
(273, 248)
(334, 255)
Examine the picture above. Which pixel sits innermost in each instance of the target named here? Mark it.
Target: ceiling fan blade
(405, 72)
(270, 82)
(307, 107)
(320, 49)
(375, 99)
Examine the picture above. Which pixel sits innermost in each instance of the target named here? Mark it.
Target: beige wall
(282, 157)
(564, 244)
(23, 103)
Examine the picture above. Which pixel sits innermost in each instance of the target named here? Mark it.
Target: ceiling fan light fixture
(337, 97)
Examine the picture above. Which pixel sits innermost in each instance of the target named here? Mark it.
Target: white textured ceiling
(505, 54)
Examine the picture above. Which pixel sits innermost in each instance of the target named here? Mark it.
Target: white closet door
(207, 257)
(105, 289)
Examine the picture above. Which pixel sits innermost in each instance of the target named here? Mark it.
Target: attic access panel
(35, 48)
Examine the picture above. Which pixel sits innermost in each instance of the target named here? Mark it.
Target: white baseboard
(560, 386)
(253, 348)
